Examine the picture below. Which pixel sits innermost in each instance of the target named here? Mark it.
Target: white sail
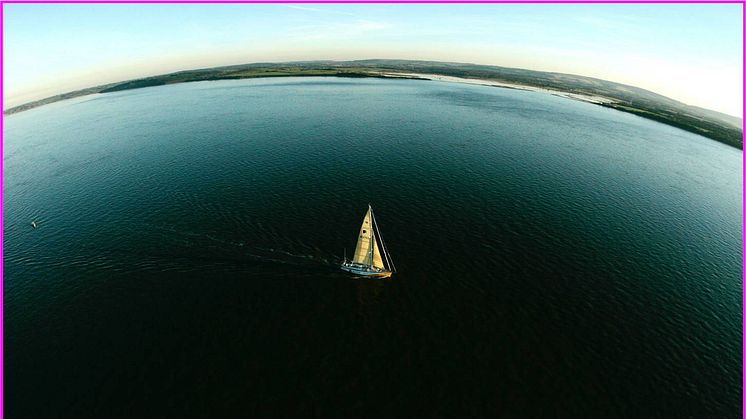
(367, 251)
(377, 261)
(362, 250)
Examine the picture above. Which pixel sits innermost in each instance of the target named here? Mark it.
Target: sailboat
(368, 259)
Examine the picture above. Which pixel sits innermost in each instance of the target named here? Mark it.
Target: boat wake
(175, 244)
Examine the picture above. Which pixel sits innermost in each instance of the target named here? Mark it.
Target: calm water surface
(555, 258)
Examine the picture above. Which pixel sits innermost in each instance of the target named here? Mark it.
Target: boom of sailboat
(369, 259)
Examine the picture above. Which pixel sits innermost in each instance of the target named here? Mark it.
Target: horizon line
(4, 110)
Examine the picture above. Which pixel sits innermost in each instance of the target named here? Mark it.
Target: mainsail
(367, 251)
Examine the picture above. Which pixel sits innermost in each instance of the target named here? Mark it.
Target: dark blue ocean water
(555, 258)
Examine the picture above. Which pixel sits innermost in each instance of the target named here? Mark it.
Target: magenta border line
(743, 216)
(373, 1)
(743, 115)
(2, 224)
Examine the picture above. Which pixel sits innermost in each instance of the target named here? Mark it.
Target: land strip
(714, 125)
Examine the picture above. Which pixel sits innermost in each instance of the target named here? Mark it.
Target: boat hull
(362, 270)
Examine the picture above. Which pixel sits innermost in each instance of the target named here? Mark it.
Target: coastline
(709, 124)
(598, 100)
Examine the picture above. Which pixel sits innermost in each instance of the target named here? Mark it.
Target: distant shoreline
(486, 82)
(714, 125)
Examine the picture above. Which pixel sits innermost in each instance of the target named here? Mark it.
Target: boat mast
(372, 236)
(383, 245)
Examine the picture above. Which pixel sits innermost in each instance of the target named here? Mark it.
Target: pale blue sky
(688, 52)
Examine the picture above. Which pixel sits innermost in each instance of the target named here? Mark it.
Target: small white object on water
(33, 224)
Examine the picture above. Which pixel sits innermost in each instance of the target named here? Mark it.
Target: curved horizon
(321, 60)
(690, 53)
